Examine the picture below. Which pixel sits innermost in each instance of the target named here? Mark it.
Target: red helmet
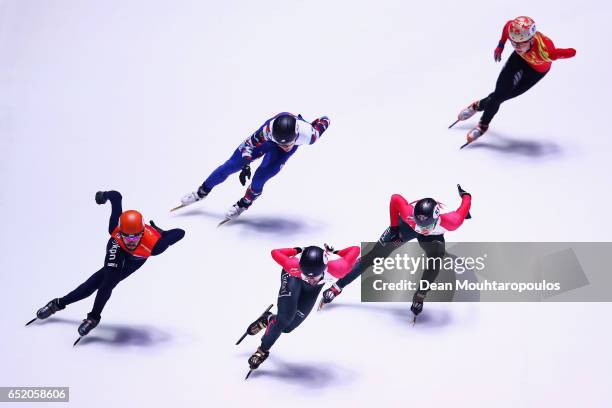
(131, 223)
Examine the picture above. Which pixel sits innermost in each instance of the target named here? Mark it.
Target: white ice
(147, 97)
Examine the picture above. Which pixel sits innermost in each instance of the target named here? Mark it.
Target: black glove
(298, 249)
(330, 249)
(161, 231)
(101, 197)
(462, 192)
(245, 174)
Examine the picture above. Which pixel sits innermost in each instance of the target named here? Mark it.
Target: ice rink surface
(147, 97)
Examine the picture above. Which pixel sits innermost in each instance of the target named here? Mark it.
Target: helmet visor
(424, 222)
(313, 280)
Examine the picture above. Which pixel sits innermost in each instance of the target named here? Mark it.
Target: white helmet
(522, 29)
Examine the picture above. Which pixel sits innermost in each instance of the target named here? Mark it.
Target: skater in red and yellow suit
(531, 60)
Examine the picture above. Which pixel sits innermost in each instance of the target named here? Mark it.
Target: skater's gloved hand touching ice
(331, 293)
(245, 174)
(498, 52)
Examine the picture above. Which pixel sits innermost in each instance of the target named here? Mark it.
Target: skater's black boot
(88, 325)
(49, 309)
(257, 358)
(259, 324)
(417, 304)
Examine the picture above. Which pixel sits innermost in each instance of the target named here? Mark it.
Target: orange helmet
(131, 222)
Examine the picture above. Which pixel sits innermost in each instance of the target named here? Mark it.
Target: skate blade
(242, 338)
(321, 304)
(31, 321)
(466, 143)
(77, 341)
(223, 222)
(414, 321)
(179, 207)
(248, 374)
(245, 333)
(454, 123)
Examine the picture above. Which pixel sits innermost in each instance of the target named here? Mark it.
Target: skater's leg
(112, 277)
(85, 289)
(306, 302)
(406, 233)
(434, 247)
(114, 258)
(221, 173)
(351, 276)
(271, 164)
(529, 78)
(511, 71)
(288, 297)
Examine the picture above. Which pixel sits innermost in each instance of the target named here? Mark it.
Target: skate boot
(257, 358)
(391, 234)
(477, 132)
(194, 196)
(469, 111)
(417, 305)
(329, 295)
(88, 325)
(50, 308)
(261, 323)
(237, 209)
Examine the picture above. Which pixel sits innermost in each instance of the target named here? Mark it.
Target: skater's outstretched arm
(319, 125)
(309, 133)
(339, 268)
(453, 220)
(558, 53)
(285, 257)
(115, 199)
(168, 238)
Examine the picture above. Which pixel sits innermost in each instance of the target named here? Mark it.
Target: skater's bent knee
(283, 322)
(288, 329)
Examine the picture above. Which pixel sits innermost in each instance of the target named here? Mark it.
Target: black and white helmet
(284, 131)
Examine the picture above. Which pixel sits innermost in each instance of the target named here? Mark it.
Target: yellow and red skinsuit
(542, 52)
(146, 244)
